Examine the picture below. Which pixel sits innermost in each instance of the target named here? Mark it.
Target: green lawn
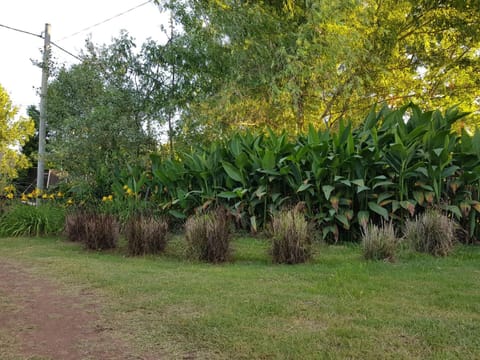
(338, 306)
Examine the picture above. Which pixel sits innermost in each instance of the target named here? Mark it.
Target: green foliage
(146, 235)
(101, 231)
(288, 64)
(208, 237)
(379, 242)
(291, 239)
(395, 165)
(14, 132)
(431, 232)
(98, 119)
(27, 220)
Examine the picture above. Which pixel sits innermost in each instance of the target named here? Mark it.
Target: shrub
(431, 232)
(208, 237)
(146, 235)
(379, 243)
(28, 220)
(75, 226)
(291, 242)
(101, 231)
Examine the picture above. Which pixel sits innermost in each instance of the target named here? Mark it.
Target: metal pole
(43, 113)
(171, 110)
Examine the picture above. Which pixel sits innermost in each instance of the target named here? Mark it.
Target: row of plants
(394, 166)
(208, 235)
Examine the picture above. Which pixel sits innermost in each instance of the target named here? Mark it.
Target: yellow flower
(51, 196)
(9, 189)
(69, 202)
(30, 195)
(10, 196)
(125, 187)
(110, 197)
(129, 192)
(24, 197)
(59, 194)
(104, 198)
(44, 196)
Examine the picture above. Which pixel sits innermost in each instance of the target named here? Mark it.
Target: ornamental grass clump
(379, 242)
(75, 226)
(101, 231)
(146, 235)
(208, 237)
(291, 240)
(432, 233)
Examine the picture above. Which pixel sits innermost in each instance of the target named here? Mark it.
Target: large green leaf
(233, 172)
(378, 209)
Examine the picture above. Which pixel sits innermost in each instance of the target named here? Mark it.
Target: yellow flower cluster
(34, 194)
(107, 198)
(128, 191)
(9, 189)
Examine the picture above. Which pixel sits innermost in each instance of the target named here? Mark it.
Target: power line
(104, 21)
(65, 51)
(21, 31)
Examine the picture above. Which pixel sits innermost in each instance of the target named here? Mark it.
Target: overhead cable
(65, 51)
(21, 31)
(104, 21)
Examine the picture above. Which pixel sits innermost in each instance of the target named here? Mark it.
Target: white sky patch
(21, 78)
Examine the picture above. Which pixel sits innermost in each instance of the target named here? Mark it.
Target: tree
(288, 63)
(98, 115)
(14, 133)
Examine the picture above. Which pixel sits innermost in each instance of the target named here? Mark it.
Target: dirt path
(40, 320)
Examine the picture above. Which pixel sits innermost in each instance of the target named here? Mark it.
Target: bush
(27, 220)
(208, 237)
(101, 231)
(432, 232)
(75, 226)
(379, 243)
(291, 242)
(146, 235)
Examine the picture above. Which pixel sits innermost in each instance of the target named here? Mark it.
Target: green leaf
(177, 214)
(419, 196)
(233, 172)
(304, 187)
(327, 191)
(454, 210)
(227, 195)
(378, 209)
(343, 219)
(363, 217)
(268, 161)
(358, 182)
(362, 188)
(383, 183)
(384, 196)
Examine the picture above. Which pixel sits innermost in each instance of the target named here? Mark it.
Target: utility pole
(171, 110)
(43, 113)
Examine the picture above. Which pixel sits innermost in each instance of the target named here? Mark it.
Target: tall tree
(14, 133)
(98, 113)
(288, 63)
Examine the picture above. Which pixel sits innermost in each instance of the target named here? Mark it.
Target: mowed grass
(337, 306)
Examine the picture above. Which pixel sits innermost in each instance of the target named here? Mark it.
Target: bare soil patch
(40, 320)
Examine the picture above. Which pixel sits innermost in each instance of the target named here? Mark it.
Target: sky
(21, 79)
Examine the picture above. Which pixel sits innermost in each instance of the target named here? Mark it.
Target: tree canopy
(279, 64)
(286, 63)
(14, 133)
(98, 117)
